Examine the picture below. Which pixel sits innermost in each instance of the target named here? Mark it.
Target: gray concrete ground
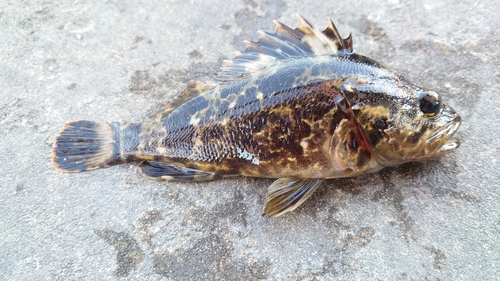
(121, 60)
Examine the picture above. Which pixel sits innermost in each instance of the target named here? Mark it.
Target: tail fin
(85, 145)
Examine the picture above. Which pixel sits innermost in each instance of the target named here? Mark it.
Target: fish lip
(447, 132)
(450, 145)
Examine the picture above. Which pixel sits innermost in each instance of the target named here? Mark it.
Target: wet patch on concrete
(209, 259)
(140, 40)
(128, 255)
(147, 221)
(438, 257)
(206, 260)
(371, 28)
(195, 54)
(212, 256)
(140, 82)
(384, 48)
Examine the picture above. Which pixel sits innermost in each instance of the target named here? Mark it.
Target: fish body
(297, 105)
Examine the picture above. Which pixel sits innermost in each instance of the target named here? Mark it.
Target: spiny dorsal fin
(333, 34)
(283, 44)
(326, 41)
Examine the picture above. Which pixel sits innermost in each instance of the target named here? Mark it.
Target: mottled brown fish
(297, 105)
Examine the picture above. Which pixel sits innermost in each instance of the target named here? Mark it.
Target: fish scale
(297, 105)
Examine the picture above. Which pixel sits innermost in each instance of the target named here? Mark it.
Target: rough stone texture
(122, 60)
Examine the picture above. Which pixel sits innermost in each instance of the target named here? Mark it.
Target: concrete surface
(121, 60)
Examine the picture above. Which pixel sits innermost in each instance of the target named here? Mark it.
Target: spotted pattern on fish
(298, 105)
(229, 125)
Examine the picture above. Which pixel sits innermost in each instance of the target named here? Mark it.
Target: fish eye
(430, 103)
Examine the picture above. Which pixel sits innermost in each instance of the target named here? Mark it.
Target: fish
(298, 105)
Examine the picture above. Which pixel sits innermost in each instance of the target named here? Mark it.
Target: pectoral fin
(165, 171)
(286, 194)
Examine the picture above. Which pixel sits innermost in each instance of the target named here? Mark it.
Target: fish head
(402, 122)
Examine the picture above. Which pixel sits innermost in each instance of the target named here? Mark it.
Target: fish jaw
(442, 141)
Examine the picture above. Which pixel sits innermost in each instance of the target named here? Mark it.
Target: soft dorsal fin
(283, 44)
(193, 89)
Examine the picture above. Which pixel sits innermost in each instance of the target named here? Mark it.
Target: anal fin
(165, 171)
(286, 194)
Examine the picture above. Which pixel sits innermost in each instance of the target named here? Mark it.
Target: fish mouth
(444, 137)
(450, 145)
